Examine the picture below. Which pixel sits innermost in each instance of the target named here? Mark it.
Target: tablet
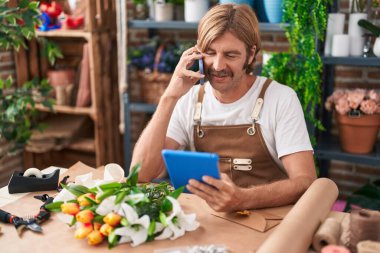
(185, 165)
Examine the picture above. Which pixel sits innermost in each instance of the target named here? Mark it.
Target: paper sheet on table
(258, 220)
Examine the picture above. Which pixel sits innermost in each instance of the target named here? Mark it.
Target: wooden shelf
(150, 24)
(68, 109)
(65, 34)
(84, 145)
(352, 61)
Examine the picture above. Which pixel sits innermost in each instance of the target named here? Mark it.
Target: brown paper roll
(328, 233)
(364, 225)
(296, 231)
(368, 247)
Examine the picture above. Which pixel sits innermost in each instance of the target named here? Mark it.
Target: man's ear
(252, 54)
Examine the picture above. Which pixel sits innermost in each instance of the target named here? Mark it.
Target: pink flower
(355, 98)
(338, 94)
(372, 94)
(368, 106)
(329, 104)
(342, 106)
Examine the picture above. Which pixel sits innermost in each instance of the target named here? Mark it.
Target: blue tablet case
(185, 165)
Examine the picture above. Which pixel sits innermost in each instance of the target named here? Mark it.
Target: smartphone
(202, 71)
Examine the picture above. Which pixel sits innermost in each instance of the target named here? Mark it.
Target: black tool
(20, 223)
(43, 214)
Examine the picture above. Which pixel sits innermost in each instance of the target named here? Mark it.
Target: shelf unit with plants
(123, 25)
(98, 141)
(328, 146)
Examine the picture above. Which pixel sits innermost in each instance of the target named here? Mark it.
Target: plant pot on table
(358, 134)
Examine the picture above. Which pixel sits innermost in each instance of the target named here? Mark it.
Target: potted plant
(195, 9)
(375, 31)
(17, 104)
(164, 10)
(301, 66)
(356, 32)
(141, 9)
(358, 117)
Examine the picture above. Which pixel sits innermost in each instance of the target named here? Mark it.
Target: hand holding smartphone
(201, 70)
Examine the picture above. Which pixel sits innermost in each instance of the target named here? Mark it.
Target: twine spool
(334, 249)
(364, 225)
(368, 247)
(328, 233)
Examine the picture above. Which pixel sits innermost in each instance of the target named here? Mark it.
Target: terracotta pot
(358, 134)
(61, 77)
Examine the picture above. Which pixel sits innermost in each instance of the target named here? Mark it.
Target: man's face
(225, 62)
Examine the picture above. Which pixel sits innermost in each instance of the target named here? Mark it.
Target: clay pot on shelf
(62, 82)
(358, 134)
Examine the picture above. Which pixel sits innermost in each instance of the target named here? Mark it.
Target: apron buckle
(200, 132)
(251, 130)
(242, 164)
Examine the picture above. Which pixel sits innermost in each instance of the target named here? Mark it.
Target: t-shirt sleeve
(291, 133)
(177, 125)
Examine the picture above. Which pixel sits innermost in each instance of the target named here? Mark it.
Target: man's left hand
(221, 195)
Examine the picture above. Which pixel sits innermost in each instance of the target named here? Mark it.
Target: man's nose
(219, 63)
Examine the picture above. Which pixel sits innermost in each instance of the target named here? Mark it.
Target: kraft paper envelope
(260, 220)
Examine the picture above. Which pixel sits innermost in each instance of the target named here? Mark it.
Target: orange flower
(97, 225)
(83, 231)
(112, 219)
(85, 216)
(94, 238)
(70, 208)
(106, 229)
(83, 201)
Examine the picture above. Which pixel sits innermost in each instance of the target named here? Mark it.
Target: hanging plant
(301, 67)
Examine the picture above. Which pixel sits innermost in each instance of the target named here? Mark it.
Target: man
(255, 125)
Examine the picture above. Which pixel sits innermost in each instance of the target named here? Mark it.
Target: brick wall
(14, 162)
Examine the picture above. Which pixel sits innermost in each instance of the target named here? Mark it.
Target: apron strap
(256, 110)
(198, 111)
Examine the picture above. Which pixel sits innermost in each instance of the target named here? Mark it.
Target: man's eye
(231, 56)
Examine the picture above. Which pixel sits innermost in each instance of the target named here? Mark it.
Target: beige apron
(243, 154)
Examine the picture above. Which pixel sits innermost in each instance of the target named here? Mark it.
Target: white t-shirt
(281, 118)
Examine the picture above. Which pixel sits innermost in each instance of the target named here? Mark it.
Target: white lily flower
(107, 206)
(65, 218)
(64, 196)
(135, 198)
(178, 222)
(137, 229)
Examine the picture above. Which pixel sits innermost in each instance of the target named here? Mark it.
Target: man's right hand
(183, 78)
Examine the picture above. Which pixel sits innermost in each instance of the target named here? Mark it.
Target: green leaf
(54, 206)
(77, 190)
(113, 185)
(120, 197)
(93, 202)
(162, 218)
(113, 239)
(99, 218)
(23, 4)
(124, 222)
(152, 228)
(33, 5)
(175, 194)
(166, 205)
(133, 175)
(106, 194)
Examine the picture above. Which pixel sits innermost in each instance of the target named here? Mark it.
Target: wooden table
(58, 237)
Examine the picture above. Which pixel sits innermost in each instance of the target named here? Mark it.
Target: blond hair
(240, 20)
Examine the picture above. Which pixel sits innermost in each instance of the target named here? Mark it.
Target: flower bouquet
(354, 102)
(122, 212)
(358, 117)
